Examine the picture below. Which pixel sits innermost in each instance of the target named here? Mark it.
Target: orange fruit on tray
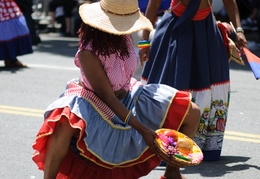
(177, 149)
(171, 133)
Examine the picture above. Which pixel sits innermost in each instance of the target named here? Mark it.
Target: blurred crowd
(62, 15)
(58, 16)
(250, 18)
(21, 22)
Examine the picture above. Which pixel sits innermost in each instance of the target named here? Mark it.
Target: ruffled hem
(76, 122)
(82, 160)
(76, 167)
(178, 111)
(19, 46)
(15, 39)
(87, 165)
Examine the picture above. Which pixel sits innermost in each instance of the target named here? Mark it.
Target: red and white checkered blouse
(119, 71)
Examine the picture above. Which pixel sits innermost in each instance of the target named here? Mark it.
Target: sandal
(14, 64)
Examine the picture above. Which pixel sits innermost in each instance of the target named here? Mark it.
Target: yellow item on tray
(177, 149)
(184, 146)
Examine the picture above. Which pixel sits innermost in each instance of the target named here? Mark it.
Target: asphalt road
(25, 93)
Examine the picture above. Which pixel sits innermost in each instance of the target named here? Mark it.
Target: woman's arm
(151, 13)
(98, 80)
(233, 13)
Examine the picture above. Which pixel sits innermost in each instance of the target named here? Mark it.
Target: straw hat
(117, 17)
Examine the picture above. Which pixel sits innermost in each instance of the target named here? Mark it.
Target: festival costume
(188, 53)
(14, 34)
(106, 147)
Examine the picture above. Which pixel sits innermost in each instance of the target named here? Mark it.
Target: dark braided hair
(103, 43)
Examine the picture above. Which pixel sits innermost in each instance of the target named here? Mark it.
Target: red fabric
(253, 61)
(9, 10)
(224, 34)
(74, 167)
(250, 56)
(89, 166)
(179, 9)
(177, 111)
(47, 129)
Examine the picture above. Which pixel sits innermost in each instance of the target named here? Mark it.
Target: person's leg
(68, 25)
(57, 147)
(52, 8)
(258, 26)
(14, 64)
(68, 7)
(172, 173)
(52, 20)
(189, 128)
(257, 6)
(191, 121)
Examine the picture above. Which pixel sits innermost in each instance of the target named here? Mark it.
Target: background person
(14, 34)
(26, 8)
(65, 8)
(188, 53)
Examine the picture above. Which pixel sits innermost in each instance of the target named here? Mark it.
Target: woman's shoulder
(85, 53)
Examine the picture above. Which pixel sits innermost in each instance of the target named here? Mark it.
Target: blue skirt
(106, 147)
(190, 56)
(15, 39)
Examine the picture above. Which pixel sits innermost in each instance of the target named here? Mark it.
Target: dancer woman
(103, 125)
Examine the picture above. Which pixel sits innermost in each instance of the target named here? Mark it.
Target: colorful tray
(177, 149)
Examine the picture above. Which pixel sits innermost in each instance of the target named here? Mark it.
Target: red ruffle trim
(178, 110)
(47, 129)
(75, 166)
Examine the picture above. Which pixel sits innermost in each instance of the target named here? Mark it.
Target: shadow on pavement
(227, 164)
(234, 66)
(59, 46)
(11, 70)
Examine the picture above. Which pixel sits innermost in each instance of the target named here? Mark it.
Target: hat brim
(93, 15)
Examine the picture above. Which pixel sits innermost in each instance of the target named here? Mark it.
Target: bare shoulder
(89, 59)
(85, 52)
(86, 55)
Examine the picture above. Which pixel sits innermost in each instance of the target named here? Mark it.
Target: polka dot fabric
(9, 10)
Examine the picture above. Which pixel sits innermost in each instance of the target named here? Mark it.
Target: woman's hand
(144, 55)
(229, 28)
(241, 40)
(149, 137)
(233, 14)
(148, 134)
